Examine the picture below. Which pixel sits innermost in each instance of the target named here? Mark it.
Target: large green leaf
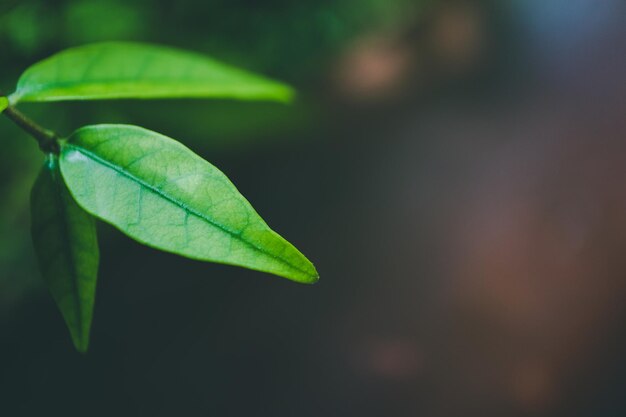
(160, 193)
(118, 70)
(4, 103)
(67, 248)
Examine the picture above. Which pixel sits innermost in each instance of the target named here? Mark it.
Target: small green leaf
(160, 193)
(66, 244)
(4, 103)
(117, 70)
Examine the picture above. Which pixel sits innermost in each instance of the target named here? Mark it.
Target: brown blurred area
(514, 305)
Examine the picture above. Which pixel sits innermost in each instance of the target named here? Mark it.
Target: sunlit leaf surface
(118, 70)
(160, 193)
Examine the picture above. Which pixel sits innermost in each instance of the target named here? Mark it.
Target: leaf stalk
(48, 140)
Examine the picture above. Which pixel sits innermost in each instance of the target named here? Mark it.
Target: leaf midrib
(201, 81)
(261, 91)
(237, 235)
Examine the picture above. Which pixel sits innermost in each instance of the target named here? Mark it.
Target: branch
(47, 139)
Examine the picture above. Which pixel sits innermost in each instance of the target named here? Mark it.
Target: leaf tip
(311, 276)
(289, 94)
(314, 279)
(81, 343)
(82, 349)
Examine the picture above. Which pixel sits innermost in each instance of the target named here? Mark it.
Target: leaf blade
(65, 241)
(160, 193)
(127, 70)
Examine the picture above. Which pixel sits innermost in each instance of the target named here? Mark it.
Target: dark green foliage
(65, 241)
(149, 186)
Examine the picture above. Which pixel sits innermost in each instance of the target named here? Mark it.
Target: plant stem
(47, 139)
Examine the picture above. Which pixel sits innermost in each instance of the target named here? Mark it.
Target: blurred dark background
(455, 169)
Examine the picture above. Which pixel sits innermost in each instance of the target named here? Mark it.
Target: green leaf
(4, 103)
(66, 244)
(160, 193)
(117, 70)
